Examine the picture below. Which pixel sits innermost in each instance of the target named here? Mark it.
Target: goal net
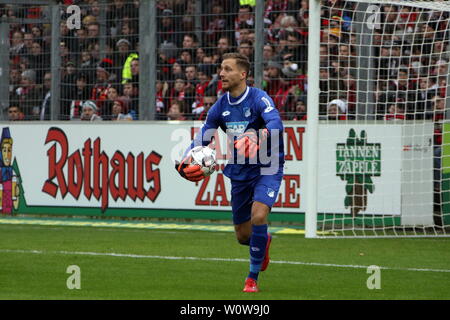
(383, 144)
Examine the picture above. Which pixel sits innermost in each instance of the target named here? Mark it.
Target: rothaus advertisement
(70, 167)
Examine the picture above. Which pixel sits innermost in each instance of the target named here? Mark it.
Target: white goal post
(377, 135)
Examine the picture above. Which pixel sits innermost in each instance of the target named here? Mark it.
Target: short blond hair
(241, 60)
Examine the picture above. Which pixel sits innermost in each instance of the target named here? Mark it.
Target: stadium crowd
(100, 79)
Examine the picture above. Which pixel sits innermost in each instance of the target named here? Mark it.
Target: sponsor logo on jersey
(255, 249)
(237, 127)
(225, 113)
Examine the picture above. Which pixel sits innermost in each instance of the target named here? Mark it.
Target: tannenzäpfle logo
(357, 161)
(91, 172)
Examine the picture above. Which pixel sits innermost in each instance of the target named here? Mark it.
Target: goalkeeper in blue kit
(255, 134)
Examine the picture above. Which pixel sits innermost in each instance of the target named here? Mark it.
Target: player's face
(231, 75)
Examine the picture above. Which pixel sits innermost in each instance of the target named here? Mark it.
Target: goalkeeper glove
(188, 171)
(247, 143)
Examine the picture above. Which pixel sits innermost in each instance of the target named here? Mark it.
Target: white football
(205, 157)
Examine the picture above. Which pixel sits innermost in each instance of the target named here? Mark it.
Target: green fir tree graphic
(357, 161)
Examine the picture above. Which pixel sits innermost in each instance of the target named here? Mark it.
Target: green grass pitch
(149, 264)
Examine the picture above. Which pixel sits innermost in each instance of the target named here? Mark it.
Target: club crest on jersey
(225, 113)
(237, 127)
(270, 192)
(247, 112)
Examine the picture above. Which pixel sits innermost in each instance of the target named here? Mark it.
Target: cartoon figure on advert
(9, 188)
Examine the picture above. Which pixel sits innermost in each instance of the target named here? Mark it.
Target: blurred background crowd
(408, 70)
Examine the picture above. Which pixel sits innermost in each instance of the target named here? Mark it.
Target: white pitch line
(140, 256)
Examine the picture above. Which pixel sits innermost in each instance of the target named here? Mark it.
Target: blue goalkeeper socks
(258, 242)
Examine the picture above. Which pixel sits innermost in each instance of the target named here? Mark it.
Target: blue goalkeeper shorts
(263, 188)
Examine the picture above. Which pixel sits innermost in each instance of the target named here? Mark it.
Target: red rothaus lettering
(92, 172)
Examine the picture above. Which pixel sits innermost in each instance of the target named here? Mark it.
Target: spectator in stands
(337, 110)
(223, 46)
(441, 68)
(268, 52)
(134, 67)
(17, 46)
(29, 95)
(347, 90)
(14, 113)
(178, 91)
(190, 41)
(176, 70)
(82, 91)
(129, 74)
(412, 47)
(120, 110)
(246, 48)
(112, 94)
(199, 54)
(300, 110)
(208, 101)
(388, 63)
(118, 12)
(427, 89)
(272, 76)
(88, 66)
(94, 9)
(37, 59)
(186, 56)
(244, 20)
(346, 56)
(80, 94)
(120, 56)
(65, 53)
(15, 80)
(176, 111)
(440, 51)
(402, 82)
(438, 109)
(396, 111)
(68, 80)
(188, 23)
(131, 93)
(288, 24)
(93, 32)
(89, 112)
(216, 24)
(37, 32)
(129, 32)
(28, 40)
(191, 79)
(104, 78)
(66, 36)
(275, 9)
(205, 72)
(166, 29)
(81, 41)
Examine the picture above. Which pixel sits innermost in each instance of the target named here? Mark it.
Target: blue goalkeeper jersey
(254, 109)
